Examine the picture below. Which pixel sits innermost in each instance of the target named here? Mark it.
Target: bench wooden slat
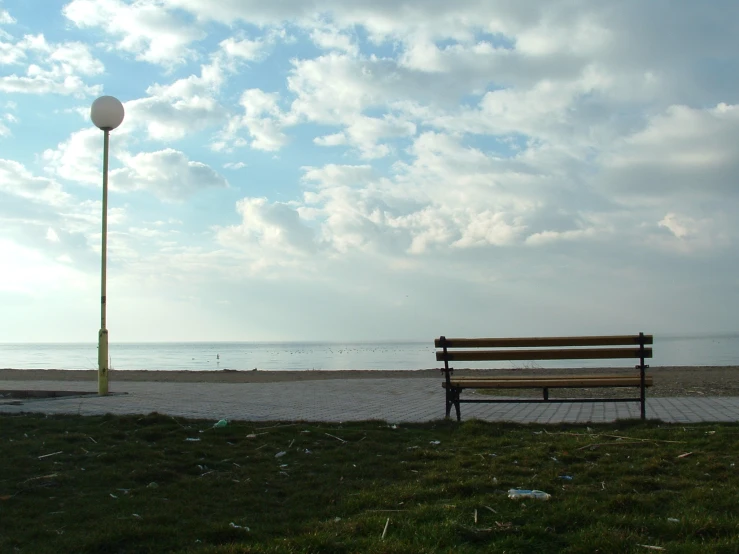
(550, 383)
(532, 342)
(563, 354)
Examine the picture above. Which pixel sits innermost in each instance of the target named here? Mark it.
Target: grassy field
(156, 484)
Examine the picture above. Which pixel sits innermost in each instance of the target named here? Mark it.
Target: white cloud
(16, 180)
(333, 87)
(490, 228)
(682, 151)
(75, 57)
(244, 49)
(44, 84)
(269, 235)
(234, 165)
(6, 18)
(672, 222)
(231, 11)
(382, 20)
(168, 174)
(694, 235)
(51, 235)
(172, 111)
(335, 139)
(36, 213)
(168, 119)
(56, 68)
(79, 158)
(331, 38)
(364, 133)
(145, 28)
(263, 119)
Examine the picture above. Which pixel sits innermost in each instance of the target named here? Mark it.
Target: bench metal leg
(452, 399)
(546, 393)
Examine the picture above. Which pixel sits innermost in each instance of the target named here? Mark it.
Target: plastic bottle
(519, 494)
(221, 423)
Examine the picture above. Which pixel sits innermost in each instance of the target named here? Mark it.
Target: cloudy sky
(370, 169)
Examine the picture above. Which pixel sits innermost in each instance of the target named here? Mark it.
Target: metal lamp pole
(107, 114)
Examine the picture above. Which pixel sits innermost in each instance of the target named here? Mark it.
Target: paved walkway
(335, 400)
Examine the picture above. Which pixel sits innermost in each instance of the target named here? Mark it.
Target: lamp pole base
(103, 362)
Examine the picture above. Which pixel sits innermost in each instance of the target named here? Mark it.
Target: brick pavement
(392, 400)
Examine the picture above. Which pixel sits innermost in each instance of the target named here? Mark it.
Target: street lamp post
(107, 114)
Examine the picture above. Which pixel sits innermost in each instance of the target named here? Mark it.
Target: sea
(669, 350)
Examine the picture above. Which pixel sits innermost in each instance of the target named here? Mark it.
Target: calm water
(669, 351)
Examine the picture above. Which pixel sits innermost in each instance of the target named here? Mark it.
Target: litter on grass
(280, 454)
(190, 439)
(220, 423)
(244, 527)
(384, 531)
(52, 454)
(335, 437)
(519, 494)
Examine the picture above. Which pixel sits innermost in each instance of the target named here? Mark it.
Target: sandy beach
(669, 381)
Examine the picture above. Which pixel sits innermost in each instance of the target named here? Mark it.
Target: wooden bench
(544, 348)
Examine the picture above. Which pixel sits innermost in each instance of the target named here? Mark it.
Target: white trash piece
(520, 494)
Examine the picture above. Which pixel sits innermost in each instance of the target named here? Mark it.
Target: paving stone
(392, 400)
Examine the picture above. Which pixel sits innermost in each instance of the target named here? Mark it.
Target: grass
(136, 484)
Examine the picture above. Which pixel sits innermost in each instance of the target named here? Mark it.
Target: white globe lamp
(107, 113)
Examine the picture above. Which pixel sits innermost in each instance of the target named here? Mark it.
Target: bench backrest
(544, 348)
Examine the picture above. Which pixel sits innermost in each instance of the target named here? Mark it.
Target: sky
(370, 169)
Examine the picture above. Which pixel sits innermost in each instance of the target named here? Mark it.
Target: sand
(669, 381)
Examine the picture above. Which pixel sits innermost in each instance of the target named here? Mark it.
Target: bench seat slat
(561, 354)
(531, 342)
(550, 383)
